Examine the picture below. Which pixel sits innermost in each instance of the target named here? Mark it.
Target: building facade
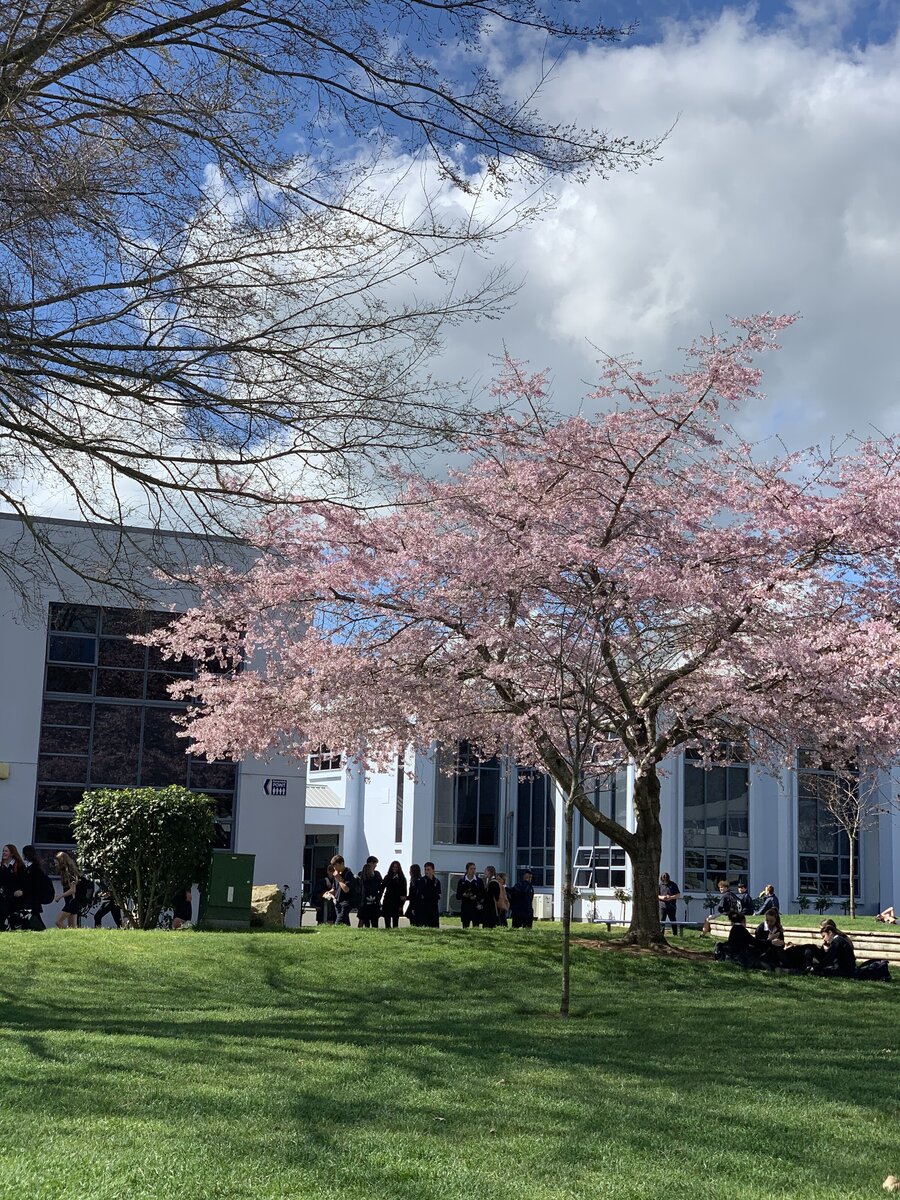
(81, 705)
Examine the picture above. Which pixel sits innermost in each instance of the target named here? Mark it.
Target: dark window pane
(58, 799)
(466, 810)
(123, 621)
(72, 649)
(58, 740)
(55, 830)
(224, 806)
(74, 618)
(70, 679)
(60, 769)
(164, 759)
(219, 776)
(126, 684)
(158, 685)
(116, 652)
(66, 712)
(116, 745)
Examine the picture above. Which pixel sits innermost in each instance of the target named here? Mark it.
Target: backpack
(46, 891)
(84, 893)
(875, 969)
(355, 895)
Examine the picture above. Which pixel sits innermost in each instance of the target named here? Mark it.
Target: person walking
(39, 889)
(68, 881)
(470, 894)
(427, 899)
(669, 894)
(393, 893)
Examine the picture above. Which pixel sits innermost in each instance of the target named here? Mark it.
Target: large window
(535, 826)
(823, 848)
(716, 822)
(598, 862)
(467, 800)
(107, 720)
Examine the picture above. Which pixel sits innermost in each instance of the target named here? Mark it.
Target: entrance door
(318, 852)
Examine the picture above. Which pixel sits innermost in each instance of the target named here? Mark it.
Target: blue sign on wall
(275, 787)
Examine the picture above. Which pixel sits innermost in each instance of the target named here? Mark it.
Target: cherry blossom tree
(585, 593)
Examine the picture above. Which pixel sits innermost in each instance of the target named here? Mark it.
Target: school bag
(84, 893)
(355, 895)
(875, 969)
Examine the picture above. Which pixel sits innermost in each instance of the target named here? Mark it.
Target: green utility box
(226, 902)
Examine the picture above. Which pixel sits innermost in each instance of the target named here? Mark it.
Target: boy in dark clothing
(427, 898)
(745, 901)
(470, 894)
(668, 900)
(342, 879)
(728, 904)
(741, 946)
(521, 908)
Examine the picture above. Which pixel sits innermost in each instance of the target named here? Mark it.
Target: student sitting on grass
(775, 951)
(836, 955)
(741, 946)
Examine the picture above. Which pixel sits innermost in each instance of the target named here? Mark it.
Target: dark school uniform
(342, 898)
(393, 893)
(370, 903)
(521, 907)
(668, 909)
(470, 894)
(427, 902)
(490, 915)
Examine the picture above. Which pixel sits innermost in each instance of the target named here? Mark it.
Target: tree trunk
(645, 856)
(852, 906)
(567, 906)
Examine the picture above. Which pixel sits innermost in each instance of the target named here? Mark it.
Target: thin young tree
(229, 243)
(586, 593)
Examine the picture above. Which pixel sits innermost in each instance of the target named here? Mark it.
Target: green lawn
(428, 1064)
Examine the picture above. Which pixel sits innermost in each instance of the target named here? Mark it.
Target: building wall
(269, 826)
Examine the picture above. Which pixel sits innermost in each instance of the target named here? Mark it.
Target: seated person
(887, 917)
(741, 946)
(768, 899)
(774, 949)
(836, 955)
(746, 901)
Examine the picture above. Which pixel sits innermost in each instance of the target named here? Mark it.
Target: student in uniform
(669, 894)
(38, 887)
(490, 917)
(741, 946)
(415, 875)
(370, 882)
(502, 901)
(393, 893)
(342, 880)
(182, 908)
(745, 901)
(836, 956)
(12, 885)
(68, 881)
(427, 899)
(320, 897)
(521, 904)
(728, 904)
(769, 900)
(470, 894)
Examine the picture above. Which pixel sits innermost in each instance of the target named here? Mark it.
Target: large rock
(265, 905)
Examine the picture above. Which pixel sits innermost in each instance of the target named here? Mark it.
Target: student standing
(490, 917)
(39, 888)
(415, 876)
(521, 902)
(393, 893)
(342, 878)
(502, 901)
(427, 899)
(669, 894)
(470, 894)
(320, 897)
(12, 884)
(370, 882)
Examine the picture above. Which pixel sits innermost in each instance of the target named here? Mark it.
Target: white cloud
(778, 190)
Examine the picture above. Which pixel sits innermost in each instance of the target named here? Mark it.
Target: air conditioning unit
(542, 906)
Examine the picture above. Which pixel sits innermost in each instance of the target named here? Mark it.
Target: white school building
(82, 706)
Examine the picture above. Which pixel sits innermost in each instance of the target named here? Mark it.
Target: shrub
(145, 844)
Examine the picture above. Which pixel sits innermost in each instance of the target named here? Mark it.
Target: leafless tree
(227, 243)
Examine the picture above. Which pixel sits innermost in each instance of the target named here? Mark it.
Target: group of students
(26, 888)
(485, 899)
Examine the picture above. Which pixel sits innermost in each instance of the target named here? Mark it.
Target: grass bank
(429, 1065)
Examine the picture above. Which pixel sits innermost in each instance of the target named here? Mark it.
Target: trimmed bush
(145, 844)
